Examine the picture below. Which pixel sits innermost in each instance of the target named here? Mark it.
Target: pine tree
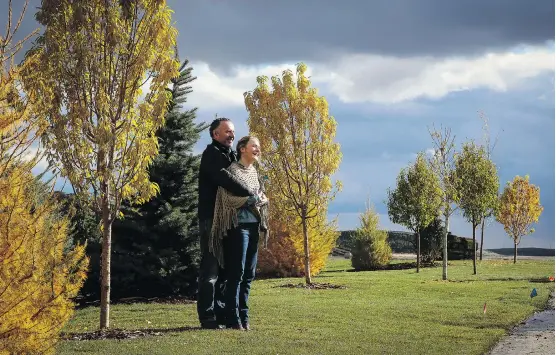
(370, 244)
(155, 249)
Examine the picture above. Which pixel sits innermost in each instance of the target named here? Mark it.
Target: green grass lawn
(380, 312)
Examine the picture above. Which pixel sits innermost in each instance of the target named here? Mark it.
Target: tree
(39, 274)
(442, 163)
(489, 149)
(416, 200)
(371, 249)
(519, 208)
(296, 134)
(432, 238)
(478, 187)
(94, 58)
(156, 249)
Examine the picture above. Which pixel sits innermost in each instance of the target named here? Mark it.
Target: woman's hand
(263, 200)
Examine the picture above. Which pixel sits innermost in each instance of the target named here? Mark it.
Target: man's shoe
(246, 326)
(236, 327)
(211, 325)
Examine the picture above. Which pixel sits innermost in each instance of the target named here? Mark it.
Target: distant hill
(524, 251)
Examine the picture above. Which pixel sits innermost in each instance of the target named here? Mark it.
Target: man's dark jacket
(212, 173)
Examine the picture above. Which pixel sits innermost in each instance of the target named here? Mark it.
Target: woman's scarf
(227, 206)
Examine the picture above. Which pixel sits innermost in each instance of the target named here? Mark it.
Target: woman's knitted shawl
(227, 206)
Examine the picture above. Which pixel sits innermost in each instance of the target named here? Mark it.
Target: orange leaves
(284, 255)
(519, 207)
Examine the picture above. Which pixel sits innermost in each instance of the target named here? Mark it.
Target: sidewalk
(534, 336)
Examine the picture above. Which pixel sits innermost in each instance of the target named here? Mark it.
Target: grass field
(380, 312)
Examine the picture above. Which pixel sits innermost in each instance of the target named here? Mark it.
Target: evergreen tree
(370, 244)
(155, 250)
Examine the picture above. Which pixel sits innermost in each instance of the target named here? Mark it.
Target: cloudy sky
(390, 69)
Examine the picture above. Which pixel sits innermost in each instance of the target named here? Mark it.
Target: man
(216, 157)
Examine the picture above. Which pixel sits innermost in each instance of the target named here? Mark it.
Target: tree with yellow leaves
(519, 208)
(39, 274)
(95, 58)
(297, 134)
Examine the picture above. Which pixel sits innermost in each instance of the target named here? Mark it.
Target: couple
(232, 214)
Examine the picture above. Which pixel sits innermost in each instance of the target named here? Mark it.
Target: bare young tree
(443, 164)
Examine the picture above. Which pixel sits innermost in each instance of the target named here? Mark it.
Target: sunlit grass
(393, 312)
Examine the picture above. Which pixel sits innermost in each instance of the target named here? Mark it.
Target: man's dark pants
(210, 300)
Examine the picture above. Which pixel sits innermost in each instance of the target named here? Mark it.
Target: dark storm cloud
(223, 32)
(249, 31)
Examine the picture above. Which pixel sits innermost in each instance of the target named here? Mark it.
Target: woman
(237, 224)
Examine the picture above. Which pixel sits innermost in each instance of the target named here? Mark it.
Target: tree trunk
(482, 238)
(445, 248)
(418, 250)
(306, 250)
(474, 251)
(515, 253)
(105, 266)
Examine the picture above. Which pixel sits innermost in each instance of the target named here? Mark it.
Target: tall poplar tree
(95, 57)
(299, 154)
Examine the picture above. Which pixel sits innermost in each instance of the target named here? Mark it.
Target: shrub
(279, 258)
(431, 242)
(284, 255)
(39, 274)
(370, 244)
(460, 248)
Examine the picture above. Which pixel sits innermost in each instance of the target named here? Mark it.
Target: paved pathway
(534, 336)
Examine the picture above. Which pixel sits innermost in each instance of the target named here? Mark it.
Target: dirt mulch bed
(315, 286)
(120, 334)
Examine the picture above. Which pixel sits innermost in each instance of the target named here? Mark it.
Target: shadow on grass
(84, 302)
(393, 266)
(490, 325)
(114, 333)
(506, 279)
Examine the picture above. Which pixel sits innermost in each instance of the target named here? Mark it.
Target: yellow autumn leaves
(519, 208)
(39, 271)
(300, 155)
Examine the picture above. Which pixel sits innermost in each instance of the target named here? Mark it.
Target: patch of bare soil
(120, 334)
(314, 286)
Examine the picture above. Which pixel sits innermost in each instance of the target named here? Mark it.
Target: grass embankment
(382, 312)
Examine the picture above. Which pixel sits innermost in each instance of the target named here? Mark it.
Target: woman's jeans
(240, 261)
